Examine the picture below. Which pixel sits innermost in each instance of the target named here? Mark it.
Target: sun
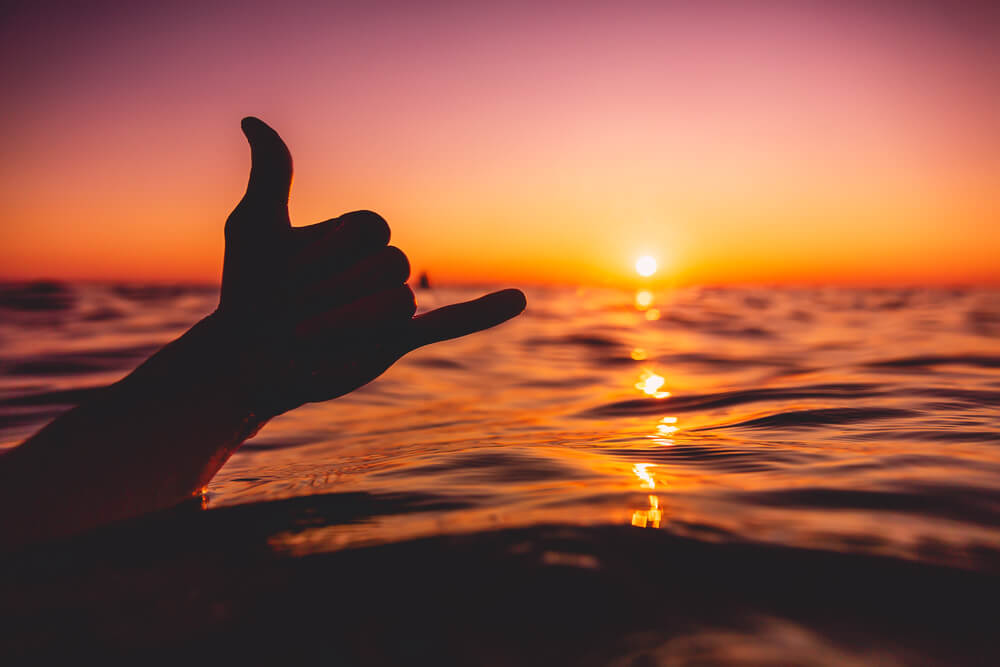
(645, 266)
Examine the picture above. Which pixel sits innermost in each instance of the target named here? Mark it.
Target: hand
(306, 314)
(316, 312)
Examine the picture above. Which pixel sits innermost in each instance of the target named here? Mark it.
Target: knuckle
(368, 225)
(396, 263)
(407, 301)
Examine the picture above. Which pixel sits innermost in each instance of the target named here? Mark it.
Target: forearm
(145, 443)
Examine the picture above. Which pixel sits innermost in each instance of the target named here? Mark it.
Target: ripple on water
(790, 408)
(828, 471)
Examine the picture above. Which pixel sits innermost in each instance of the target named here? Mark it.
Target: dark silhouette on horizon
(305, 314)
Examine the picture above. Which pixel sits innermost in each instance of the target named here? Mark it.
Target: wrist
(203, 369)
(248, 363)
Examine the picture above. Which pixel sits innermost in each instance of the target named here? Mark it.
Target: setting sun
(645, 266)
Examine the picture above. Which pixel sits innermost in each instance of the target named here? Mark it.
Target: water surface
(861, 425)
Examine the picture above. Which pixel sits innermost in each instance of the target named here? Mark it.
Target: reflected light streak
(641, 471)
(653, 314)
(649, 383)
(643, 299)
(638, 354)
(648, 518)
(667, 426)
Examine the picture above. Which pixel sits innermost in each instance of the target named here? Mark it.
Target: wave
(41, 296)
(77, 363)
(976, 504)
(925, 361)
(817, 417)
(711, 401)
(717, 456)
(549, 593)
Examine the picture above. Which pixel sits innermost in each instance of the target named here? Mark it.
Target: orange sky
(735, 142)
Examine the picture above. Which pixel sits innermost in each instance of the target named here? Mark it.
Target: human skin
(305, 314)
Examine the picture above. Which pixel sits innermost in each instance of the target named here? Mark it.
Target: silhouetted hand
(315, 312)
(306, 314)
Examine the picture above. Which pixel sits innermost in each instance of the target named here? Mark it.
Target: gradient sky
(518, 142)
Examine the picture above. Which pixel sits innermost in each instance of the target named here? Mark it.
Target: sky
(518, 142)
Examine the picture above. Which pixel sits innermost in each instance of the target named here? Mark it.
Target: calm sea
(694, 476)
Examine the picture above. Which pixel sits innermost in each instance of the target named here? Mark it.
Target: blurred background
(520, 142)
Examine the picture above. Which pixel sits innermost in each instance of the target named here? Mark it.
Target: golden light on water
(641, 471)
(649, 517)
(645, 266)
(667, 426)
(643, 302)
(649, 383)
(643, 299)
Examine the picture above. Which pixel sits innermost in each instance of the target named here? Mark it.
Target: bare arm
(306, 314)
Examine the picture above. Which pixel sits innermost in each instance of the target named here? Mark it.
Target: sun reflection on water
(648, 518)
(651, 517)
(667, 426)
(650, 383)
(641, 471)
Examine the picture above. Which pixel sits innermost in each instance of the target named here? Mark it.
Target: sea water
(782, 450)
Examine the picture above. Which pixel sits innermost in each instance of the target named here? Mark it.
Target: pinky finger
(461, 319)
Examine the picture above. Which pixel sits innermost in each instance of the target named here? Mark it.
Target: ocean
(633, 477)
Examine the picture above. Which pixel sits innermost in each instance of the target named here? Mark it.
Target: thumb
(270, 167)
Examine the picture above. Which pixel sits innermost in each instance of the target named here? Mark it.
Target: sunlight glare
(666, 429)
(641, 470)
(649, 383)
(650, 517)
